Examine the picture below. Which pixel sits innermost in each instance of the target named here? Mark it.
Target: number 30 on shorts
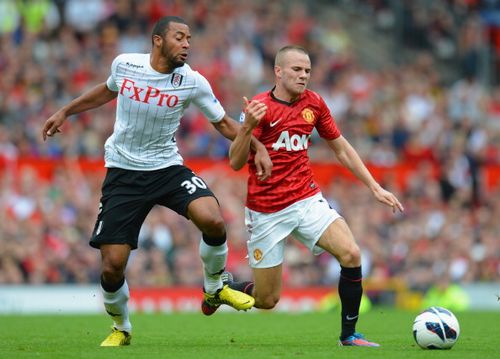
(193, 184)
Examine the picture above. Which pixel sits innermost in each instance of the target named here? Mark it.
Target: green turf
(266, 335)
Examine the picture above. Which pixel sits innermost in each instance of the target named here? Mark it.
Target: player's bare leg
(267, 286)
(115, 292)
(339, 241)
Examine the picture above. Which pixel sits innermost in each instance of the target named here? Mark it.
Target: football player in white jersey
(144, 167)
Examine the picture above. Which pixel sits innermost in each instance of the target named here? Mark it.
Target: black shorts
(128, 196)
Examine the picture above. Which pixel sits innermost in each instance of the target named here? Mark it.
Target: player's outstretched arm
(348, 156)
(240, 148)
(91, 99)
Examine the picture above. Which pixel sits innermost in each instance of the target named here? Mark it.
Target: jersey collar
(271, 93)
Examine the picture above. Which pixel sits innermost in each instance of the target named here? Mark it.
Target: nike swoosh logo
(272, 124)
(350, 318)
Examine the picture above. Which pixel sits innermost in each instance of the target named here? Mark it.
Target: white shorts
(305, 220)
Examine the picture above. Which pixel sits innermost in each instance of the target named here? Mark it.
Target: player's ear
(277, 71)
(157, 40)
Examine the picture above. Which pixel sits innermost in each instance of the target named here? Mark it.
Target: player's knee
(351, 257)
(267, 301)
(213, 226)
(112, 271)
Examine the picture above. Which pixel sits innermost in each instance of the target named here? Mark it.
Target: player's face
(295, 72)
(175, 44)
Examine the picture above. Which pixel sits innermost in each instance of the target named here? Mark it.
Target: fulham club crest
(176, 80)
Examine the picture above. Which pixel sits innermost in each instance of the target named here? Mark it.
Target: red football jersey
(285, 131)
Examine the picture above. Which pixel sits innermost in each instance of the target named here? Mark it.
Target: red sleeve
(326, 125)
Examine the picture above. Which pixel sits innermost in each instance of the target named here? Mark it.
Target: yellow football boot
(117, 338)
(236, 299)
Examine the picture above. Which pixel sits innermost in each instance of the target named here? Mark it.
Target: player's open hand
(254, 112)
(53, 124)
(388, 198)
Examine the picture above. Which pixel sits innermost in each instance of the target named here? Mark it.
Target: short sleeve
(326, 126)
(110, 82)
(205, 100)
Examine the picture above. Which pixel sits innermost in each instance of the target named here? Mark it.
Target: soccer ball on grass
(436, 328)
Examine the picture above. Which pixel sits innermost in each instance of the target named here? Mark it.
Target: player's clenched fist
(254, 112)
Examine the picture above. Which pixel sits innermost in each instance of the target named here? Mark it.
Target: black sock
(112, 287)
(350, 291)
(214, 241)
(245, 287)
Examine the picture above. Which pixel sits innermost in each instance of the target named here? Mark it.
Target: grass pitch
(267, 335)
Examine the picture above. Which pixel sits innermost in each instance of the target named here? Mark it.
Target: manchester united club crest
(176, 80)
(257, 254)
(308, 115)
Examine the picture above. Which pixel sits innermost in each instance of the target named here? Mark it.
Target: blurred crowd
(51, 51)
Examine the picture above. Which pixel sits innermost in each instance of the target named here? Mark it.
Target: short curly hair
(161, 25)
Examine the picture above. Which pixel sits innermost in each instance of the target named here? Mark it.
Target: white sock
(214, 261)
(116, 306)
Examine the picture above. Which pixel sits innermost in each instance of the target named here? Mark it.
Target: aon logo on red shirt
(293, 143)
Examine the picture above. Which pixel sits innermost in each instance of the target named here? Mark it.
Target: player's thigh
(338, 240)
(122, 209)
(267, 284)
(268, 233)
(181, 190)
(317, 216)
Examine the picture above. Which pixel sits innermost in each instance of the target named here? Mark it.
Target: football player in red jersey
(290, 201)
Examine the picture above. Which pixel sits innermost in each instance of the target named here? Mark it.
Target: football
(436, 328)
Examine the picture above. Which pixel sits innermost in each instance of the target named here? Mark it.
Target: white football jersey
(149, 108)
